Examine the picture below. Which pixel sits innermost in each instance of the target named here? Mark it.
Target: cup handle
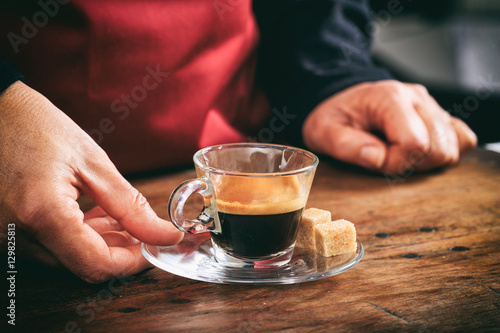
(207, 220)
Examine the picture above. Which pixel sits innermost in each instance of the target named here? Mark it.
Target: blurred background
(450, 46)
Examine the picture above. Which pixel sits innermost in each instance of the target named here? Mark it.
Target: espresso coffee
(257, 235)
(259, 216)
(253, 197)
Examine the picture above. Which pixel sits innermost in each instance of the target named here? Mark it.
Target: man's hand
(418, 131)
(46, 160)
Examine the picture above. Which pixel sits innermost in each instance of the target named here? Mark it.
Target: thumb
(120, 200)
(351, 145)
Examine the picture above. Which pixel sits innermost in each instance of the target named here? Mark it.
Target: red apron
(150, 81)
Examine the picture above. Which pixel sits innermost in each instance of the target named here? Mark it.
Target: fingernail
(372, 157)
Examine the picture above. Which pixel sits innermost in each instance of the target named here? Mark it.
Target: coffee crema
(259, 195)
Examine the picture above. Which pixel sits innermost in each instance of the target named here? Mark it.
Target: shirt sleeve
(308, 51)
(8, 75)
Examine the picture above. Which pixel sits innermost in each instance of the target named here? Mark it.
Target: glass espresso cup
(254, 195)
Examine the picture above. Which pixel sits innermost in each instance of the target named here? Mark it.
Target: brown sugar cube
(310, 218)
(335, 238)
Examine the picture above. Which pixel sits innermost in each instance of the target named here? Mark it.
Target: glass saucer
(193, 258)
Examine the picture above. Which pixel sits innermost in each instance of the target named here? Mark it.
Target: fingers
(95, 258)
(405, 130)
(449, 136)
(352, 145)
(82, 258)
(119, 239)
(340, 127)
(125, 204)
(95, 212)
(41, 197)
(467, 139)
(395, 115)
(104, 224)
(109, 229)
(419, 133)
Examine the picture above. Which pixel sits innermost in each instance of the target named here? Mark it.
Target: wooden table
(432, 264)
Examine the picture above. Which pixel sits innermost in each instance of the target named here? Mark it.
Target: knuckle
(440, 135)
(139, 201)
(418, 145)
(454, 158)
(445, 157)
(95, 157)
(472, 140)
(452, 154)
(440, 157)
(37, 216)
(27, 211)
(137, 207)
(419, 89)
(450, 159)
(447, 118)
(394, 88)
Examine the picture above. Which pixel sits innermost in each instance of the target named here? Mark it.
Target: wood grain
(432, 263)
